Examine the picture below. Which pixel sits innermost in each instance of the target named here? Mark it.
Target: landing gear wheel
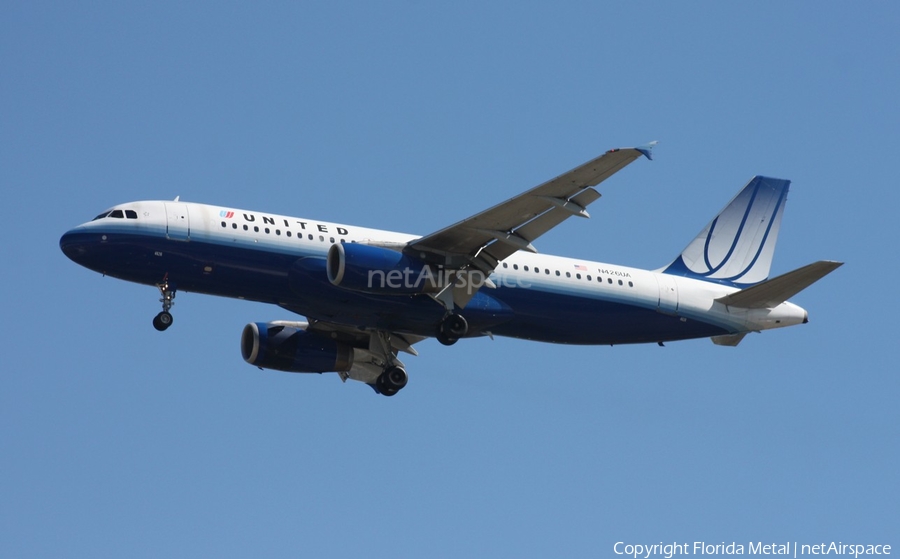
(452, 328)
(445, 339)
(392, 380)
(162, 321)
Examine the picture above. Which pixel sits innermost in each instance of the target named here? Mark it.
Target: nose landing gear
(164, 319)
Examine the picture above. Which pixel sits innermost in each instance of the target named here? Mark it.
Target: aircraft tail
(736, 248)
(771, 293)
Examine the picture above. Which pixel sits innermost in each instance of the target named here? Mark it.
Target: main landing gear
(382, 354)
(452, 328)
(392, 380)
(164, 319)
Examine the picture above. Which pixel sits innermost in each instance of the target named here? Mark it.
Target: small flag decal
(226, 214)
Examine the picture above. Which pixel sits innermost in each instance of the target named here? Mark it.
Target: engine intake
(288, 346)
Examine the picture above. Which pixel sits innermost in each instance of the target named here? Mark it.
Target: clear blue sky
(119, 441)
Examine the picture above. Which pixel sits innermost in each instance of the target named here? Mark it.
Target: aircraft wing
(481, 241)
(359, 337)
(363, 338)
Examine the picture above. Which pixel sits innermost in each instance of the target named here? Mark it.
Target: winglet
(647, 148)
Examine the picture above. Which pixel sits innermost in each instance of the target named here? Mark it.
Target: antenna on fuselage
(177, 197)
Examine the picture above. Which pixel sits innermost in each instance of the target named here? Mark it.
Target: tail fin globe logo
(737, 246)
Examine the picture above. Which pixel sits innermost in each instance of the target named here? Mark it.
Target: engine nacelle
(287, 346)
(372, 269)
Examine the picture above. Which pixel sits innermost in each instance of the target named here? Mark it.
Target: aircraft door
(178, 221)
(668, 294)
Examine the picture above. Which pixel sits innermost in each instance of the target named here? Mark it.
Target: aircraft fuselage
(281, 260)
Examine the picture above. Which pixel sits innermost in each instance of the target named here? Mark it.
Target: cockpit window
(119, 214)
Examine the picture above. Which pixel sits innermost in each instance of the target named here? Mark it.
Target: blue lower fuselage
(295, 278)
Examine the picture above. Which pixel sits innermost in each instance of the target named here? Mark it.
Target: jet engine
(373, 269)
(288, 346)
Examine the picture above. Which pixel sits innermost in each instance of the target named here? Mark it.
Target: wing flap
(536, 227)
(729, 340)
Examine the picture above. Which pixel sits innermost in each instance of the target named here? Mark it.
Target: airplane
(368, 295)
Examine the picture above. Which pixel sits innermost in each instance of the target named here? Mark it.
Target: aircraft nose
(72, 243)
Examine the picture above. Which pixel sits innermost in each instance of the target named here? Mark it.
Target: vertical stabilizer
(737, 246)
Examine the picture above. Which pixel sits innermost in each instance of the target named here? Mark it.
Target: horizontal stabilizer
(775, 291)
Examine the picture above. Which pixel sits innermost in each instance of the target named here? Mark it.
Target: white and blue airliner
(368, 295)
